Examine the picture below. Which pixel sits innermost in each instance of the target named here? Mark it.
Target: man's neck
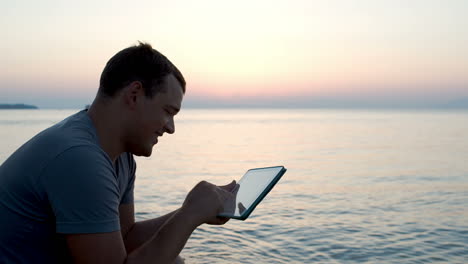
(105, 118)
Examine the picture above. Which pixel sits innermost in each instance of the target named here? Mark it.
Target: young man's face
(155, 116)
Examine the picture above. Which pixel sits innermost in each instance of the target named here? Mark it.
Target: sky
(397, 53)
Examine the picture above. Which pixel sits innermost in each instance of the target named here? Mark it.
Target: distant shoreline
(17, 106)
(459, 107)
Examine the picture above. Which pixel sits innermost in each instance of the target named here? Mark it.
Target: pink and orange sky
(397, 52)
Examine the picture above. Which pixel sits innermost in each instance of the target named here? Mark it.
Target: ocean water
(361, 186)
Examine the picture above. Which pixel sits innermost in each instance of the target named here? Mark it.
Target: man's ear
(132, 94)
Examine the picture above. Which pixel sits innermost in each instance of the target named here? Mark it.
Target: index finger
(229, 187)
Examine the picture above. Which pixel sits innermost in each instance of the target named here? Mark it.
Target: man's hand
(230, 203)
(205, 201)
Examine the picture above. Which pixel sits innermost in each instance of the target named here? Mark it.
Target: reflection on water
(376, 187)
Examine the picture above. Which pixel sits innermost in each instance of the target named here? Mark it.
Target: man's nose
(170, 126)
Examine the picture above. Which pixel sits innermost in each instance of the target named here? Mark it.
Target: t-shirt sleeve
(83, 192)
(128, 194)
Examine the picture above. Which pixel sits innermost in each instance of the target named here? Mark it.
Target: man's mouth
(156, 139)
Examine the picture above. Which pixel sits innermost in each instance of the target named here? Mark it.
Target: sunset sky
(395, 52)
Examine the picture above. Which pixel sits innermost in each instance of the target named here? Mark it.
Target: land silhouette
(17, 106)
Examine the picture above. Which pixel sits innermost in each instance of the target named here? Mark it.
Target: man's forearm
(143, 231)
(165, 245)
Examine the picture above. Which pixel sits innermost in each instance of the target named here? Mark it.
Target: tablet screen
(253, 186)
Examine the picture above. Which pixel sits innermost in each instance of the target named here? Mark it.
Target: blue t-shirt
(60, 182)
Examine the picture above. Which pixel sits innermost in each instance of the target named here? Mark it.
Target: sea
(362, 186)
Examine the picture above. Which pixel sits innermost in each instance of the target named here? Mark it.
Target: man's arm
(202, 205)
(134, 233)
(162, 247)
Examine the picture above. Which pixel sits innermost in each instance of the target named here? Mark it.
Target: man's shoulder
(73, 134)
(76, 130)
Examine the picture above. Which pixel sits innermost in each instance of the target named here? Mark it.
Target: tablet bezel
(262, 195)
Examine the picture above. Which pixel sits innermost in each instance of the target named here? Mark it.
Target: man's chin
(143, 153)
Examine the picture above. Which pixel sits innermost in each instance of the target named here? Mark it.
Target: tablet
(251, 189)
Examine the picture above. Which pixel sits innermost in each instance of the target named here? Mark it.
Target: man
(67, 194)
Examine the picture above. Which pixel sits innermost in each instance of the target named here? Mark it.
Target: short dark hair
(138, 63)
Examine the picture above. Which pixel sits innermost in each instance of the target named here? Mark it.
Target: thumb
(229, 187)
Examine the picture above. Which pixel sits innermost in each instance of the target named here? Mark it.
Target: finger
(231, 194)
(229, 187)
(236, 189)
(225, 195)
(218, 221)
(222, 220)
